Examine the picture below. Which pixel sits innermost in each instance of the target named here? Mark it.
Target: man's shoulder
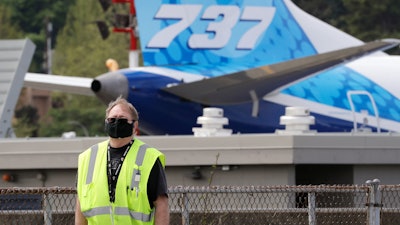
(96, 146)
(149, 149)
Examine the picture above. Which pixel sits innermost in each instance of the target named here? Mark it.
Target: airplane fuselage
(163, 113)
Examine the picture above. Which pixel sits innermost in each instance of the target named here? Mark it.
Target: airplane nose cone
(109, 86)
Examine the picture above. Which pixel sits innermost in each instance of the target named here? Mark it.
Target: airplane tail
(15, 58)
(249, 33)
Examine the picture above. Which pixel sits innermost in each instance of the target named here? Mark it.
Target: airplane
(252, 59)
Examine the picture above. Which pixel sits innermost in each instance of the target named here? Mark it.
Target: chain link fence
(371, 204)
(37, 206)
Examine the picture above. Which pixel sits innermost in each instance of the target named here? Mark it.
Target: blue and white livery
(203, 53)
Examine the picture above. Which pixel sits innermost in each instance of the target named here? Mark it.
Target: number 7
(164, 38)
(262, 14)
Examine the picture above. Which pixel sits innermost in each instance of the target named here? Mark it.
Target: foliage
(326, 10)
(68, 113)
(8, 29)
(80, 51)
(372, 20)
(26, 120)
(366, 20)
(33, 17)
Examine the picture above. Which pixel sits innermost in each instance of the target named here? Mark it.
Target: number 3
(221, 30)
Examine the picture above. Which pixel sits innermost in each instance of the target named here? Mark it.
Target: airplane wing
(68, 84)
(250, 85)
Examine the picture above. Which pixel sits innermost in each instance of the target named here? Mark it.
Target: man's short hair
(123, 101)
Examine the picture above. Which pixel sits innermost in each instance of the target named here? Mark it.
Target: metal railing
(371, 204)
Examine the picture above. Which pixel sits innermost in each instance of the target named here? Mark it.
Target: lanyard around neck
(112, 177)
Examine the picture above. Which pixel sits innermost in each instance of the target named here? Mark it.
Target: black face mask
(119, 128)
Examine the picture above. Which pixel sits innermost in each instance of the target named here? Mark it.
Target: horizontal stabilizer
(15, 57)
(68, 84)
(249, 85)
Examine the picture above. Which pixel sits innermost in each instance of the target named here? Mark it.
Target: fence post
(374, 206)
(47, 213)
(311, 208)
(185, 210)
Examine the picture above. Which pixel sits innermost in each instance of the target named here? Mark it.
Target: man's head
(121, 119)
(125, 104)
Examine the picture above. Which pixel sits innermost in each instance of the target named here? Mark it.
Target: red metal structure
(131, 28)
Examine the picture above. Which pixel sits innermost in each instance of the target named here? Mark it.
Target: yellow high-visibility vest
(131, 204)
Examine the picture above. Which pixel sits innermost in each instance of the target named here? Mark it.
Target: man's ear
(136, 128)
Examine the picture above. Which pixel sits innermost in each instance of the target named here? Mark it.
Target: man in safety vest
(121, 180)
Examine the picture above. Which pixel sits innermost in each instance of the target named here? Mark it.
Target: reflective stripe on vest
(97, 211)
(134, 184)
(92, 161)
(139, 161)
(122, 211)
(137, 216)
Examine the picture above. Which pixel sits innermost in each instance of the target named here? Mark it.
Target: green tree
(81, 51)
(34, 17)
(8, 29)
(371, 20)
(366, 20)
(325, 10)
(27, 19)
(83, 116)
(26, 122)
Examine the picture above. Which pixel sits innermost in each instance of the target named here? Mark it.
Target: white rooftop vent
(297, 120)
(70, 134)
(212, 123)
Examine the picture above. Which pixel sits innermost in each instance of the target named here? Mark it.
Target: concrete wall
(387, 174)
(235, 176)
(182, 175)
(259, 159)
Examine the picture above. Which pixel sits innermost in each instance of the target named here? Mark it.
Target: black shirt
(157, 183)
